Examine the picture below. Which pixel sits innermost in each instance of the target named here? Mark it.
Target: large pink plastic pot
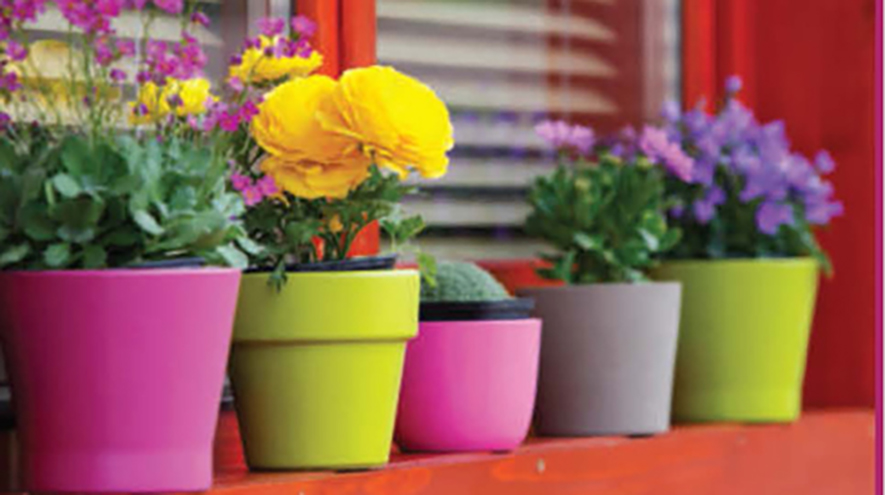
(469, 385)
(117, 375)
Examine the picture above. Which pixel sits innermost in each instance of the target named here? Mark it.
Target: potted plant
(319, 339)
(748, 262)
(609, 342)
(116, 334)
(470, 375)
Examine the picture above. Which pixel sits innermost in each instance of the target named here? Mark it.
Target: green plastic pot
(743, 338)
(316, 367)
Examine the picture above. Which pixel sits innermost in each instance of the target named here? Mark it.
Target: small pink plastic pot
(469, 386)
(117, 375)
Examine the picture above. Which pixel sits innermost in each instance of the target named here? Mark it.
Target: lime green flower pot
(316, 367)
(743, 338)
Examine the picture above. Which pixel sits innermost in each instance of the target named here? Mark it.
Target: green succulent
(462, 282)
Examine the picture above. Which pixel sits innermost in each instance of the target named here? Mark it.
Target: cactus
(463, 282)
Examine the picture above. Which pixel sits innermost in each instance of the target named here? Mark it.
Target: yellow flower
(311, 180)
(194, 94)
(305, 160)
(257, 66)
(150, 106)
(396, 120)
(286, 124)
(154, 102)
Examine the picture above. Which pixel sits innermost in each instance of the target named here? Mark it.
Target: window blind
(504, 65)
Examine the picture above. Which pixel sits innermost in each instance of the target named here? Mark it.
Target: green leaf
(587, 242)
(147, 222)
(428, 268)
(57, 255)
(76, 235)
(94, 256)
(249, 246)
(76, 156)
(14, 254)
(66, 186)
(651, 241)
(233, 257)
(36, 223)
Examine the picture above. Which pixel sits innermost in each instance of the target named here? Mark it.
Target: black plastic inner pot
(194, 262)
(508, 309)
(364, 263)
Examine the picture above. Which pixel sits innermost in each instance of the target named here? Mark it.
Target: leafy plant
(78, 203)
(606, 220)
(463, 282)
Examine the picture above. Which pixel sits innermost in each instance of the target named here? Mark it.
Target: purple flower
(656, 145)
(104, 52)
(10, 82)
(823, 212)
(670, 111)
(733, 85)
(16, 51)
(560, 135)
(705, 208)
(5, 120)
(271, 26)
(304, 26)
(117, 75)
(771, 215)
(236, 84)
(824, 163)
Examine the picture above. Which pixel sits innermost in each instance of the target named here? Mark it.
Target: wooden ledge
(826, 452)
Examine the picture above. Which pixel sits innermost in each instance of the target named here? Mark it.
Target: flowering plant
(604, 208)
(749, 194)
(325, 158)
(87, 181)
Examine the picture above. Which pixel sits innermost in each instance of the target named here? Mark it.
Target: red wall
(812, 63)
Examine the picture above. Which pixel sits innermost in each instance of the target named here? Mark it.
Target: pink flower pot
(117, 375)
(469, 385)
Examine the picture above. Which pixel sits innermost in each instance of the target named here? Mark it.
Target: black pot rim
(358, 264)
(506, 309)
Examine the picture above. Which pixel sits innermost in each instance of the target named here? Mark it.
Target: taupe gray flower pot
(608, 353)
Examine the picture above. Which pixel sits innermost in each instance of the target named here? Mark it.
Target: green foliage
(75, 201)
(463, 282)
(606, 220)
(401, 232)
(288, 230)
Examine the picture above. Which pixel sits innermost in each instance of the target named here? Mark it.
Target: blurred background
(503, 65)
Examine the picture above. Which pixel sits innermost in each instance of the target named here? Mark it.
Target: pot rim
(602, 285)
(395, 272)
(119, 272)
(786, 261)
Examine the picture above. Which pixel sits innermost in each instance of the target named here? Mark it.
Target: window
(504, 65)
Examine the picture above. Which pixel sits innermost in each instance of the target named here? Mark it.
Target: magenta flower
(5, 120)
(200, 19)
(240, 182)
(252, 196)
(170, 6)
(267, 186)
(271, 26)
(304, 26)
(117, 75)
(16, 51)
